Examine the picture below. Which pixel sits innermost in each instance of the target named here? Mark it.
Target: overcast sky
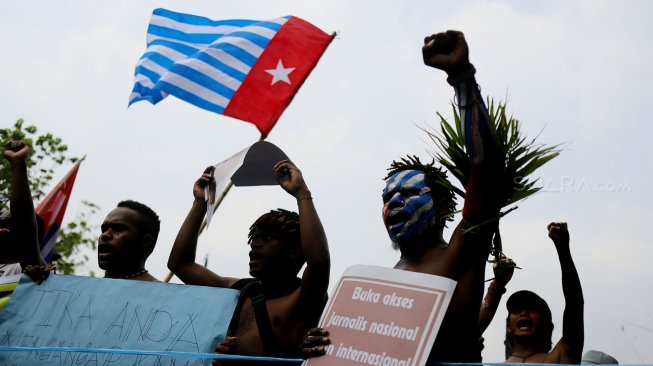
(574, 72)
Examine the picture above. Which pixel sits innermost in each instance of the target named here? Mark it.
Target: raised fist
(16, 151)
(503, 270)
(446, 51)
(558, 233)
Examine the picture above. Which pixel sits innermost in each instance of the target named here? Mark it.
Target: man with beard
(417, 202)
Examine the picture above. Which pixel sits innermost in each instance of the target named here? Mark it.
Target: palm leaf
(521, 156)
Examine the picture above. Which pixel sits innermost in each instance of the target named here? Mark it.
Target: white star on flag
(280, 73)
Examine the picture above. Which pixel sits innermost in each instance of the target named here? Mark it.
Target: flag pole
(59, 186)
(223, 194)
(217, 204)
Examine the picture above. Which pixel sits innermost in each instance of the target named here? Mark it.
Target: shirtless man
(417, 206)
(280, 241)
(529, 325)
(128, 237)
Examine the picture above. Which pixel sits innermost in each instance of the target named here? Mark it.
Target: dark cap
(528, 299)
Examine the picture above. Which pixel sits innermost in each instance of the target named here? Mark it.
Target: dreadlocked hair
(279, 224)
(436, 178)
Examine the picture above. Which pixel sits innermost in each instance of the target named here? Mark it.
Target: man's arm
(448, 51)
(503, 272)
(22, 207)
(182, 257)
(570, 348)
(470, 243)
(314, 242)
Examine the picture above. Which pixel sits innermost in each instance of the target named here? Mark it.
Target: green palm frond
(522, 156)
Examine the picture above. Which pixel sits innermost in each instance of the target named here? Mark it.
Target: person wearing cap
(529, 325)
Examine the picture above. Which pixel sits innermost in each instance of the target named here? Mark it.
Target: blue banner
(86, 312)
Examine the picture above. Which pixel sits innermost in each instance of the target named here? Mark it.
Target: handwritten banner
(95, 313)
(382, 316)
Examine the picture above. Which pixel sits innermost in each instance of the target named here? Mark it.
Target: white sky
(576, 71)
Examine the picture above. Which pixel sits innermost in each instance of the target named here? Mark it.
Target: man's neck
(415, 250)
(125, 273)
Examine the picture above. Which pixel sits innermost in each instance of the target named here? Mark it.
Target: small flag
(245, 69)
(252, 166)
(53, 208)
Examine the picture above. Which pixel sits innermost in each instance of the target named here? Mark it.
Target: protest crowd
(277, 313)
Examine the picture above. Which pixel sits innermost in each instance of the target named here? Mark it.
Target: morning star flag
(245, 69)
(53, 208)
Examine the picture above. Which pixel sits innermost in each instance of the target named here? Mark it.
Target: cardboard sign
(86, 312)
(383, 316)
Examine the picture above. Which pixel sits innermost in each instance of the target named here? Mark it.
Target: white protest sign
(383, 316)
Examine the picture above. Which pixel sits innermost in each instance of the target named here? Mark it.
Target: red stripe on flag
(53, 206)
(299, 45)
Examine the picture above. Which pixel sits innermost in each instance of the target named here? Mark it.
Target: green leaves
(48, 152)
(522, 157)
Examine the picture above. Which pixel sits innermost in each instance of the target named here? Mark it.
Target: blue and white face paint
(407, 205)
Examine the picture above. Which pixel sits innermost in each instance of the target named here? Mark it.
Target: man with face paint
(417, 204)
(408, 207)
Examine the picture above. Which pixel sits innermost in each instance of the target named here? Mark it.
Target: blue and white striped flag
(210, 63)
